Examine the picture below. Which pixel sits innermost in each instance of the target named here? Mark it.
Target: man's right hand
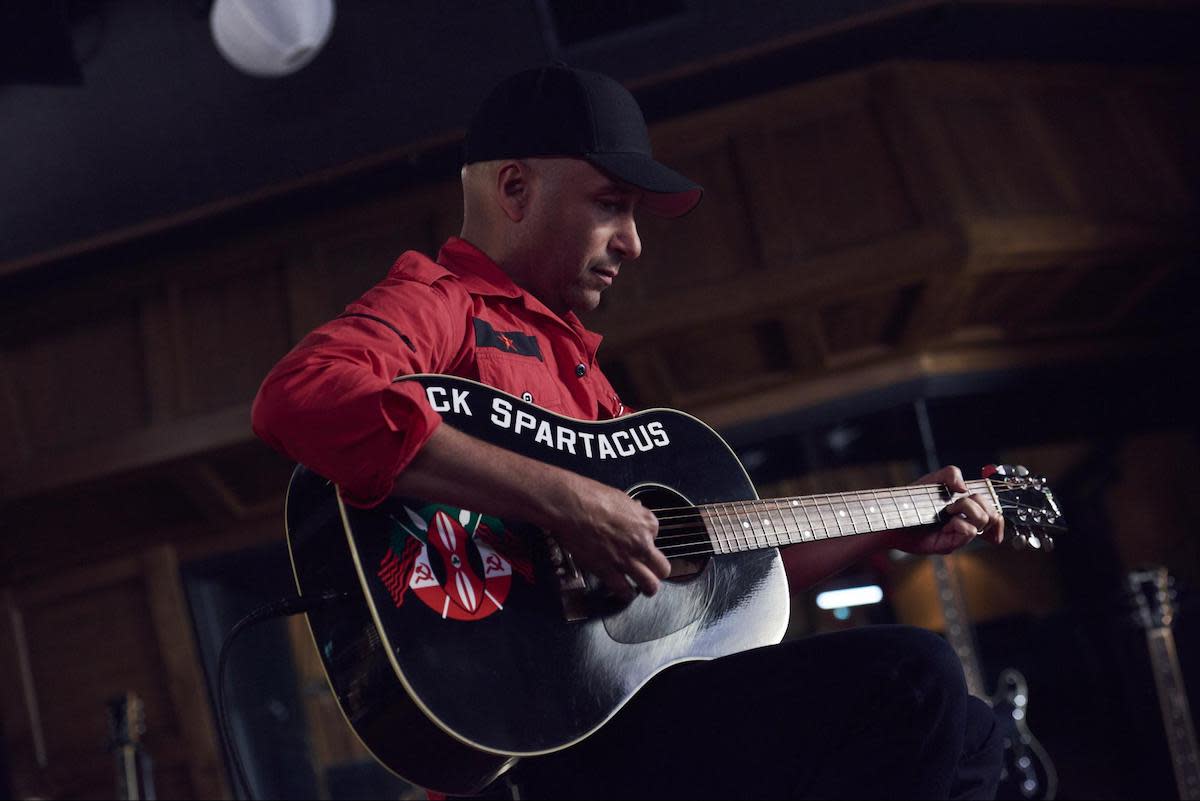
(609, 535)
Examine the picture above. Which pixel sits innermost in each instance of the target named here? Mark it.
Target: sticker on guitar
(459, 563)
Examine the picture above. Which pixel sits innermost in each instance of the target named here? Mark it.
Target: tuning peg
(1019, 542)
(1048, 541)
(1022, 471)
(1034, 542)
(990, 470)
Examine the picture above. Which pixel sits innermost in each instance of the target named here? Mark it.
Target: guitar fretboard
(958, 627)
(751, 525)
(1177, 720)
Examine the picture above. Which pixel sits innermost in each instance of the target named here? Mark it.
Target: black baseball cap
(562, 111)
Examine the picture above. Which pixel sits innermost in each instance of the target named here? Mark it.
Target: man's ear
(514, 189)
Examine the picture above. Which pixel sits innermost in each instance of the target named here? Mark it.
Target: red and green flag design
(459, 563)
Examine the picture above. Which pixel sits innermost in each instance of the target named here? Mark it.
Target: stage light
(851, 596)
(270, 38)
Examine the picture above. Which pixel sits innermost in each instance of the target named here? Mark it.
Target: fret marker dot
(870, 508)
(841, 512)
(766, 522)
(795, 503)
(745, 524)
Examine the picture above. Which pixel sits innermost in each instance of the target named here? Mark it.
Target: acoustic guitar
(1027, 771)
(1154, 610)
(465, 642)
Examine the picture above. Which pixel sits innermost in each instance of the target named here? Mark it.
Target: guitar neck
(1181, 737)
(958, 627)
(752, 525)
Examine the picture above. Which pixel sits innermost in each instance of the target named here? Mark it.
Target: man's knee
(930, 665)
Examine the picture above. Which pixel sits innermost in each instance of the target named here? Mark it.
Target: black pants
(877, 712)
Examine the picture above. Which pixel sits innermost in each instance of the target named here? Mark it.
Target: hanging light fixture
(270, 38)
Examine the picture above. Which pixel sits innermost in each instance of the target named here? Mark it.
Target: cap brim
(668, 194)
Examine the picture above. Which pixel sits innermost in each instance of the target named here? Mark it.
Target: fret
(899, 514)
(821, 531)
(715, 528)
(735, 530)
(808, 533)
(758, 525)
(751, 526)
(837, 518)
(869, 526)
(723, 527)
(778, 526)
(830, 512)
(736, 524)
(911, 507)
(768, 531)
(797, 527)
(740, 527)
(878, 507)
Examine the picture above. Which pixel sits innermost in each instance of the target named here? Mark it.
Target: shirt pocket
(527, 377)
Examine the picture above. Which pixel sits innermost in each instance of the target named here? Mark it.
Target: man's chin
(586, 300)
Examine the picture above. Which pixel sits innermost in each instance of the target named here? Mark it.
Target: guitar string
(853, 518)
(752, 509)
(924, 490)
(682, 550)
(697, 526)
(846, 503)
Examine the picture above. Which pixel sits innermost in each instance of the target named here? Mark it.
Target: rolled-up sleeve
(332, 404)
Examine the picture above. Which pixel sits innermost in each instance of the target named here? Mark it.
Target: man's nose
(625, 243)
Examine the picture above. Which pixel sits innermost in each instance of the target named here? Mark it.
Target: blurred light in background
(271, 38)
(851, 596)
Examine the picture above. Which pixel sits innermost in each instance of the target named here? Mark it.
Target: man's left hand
(967, 518)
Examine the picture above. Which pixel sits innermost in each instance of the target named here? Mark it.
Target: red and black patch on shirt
(507, 341)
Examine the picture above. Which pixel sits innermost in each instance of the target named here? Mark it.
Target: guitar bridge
(572, 588)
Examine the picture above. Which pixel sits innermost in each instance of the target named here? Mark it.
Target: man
(557, 163)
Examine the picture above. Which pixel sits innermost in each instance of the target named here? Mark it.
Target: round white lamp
(270, 38)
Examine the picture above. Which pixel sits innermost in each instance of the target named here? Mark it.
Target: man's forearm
(458, 469)
(608, 533)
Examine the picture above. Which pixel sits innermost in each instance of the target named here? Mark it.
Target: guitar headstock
(126, 720)
(1153, 593)
(1031, 515)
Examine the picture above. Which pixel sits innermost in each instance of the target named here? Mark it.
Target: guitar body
(1028, 772)
(464, 644)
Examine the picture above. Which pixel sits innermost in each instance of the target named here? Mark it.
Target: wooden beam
(184, 678)
(805, 393)
(145, 448)
(1032, 241)
(897, 260)
(209, 492)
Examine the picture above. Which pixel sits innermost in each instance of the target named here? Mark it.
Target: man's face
(580, 230)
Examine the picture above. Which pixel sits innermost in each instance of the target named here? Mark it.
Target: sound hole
(683, 546)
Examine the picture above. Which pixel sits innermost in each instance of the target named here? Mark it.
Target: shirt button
(527, 397)
(581, 369)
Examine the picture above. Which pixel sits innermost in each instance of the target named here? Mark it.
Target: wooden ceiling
(906, 220)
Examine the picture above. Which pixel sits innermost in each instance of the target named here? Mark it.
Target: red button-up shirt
(331, 403)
